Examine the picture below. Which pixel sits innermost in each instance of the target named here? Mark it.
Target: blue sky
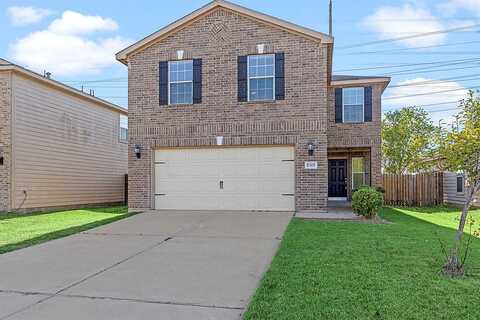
(75, 40)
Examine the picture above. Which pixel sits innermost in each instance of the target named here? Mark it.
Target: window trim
(463, 183)
(363, 172)
(176, 82)
(343, 105)
(273, 77)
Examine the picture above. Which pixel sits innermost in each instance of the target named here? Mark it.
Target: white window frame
(343, 105)
(249, 78)
(363, 173)
(169, 82)
(120, 128)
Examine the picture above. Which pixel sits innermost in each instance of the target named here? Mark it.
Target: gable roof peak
(122, 56)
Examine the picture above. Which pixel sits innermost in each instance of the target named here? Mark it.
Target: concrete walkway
(331, 213)
(156, 265)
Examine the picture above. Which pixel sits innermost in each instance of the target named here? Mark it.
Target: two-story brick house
(231, 109)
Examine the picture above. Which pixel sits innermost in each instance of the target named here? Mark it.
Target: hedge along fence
(421, 189)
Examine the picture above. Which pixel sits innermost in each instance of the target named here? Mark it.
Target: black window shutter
(338, 105)
(163, 89)
(368, 104)
(242, 79)
(197, 81)
(280, 76)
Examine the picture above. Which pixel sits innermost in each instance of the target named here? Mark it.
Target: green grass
(443, 216)
(20, 231)
(347, 270)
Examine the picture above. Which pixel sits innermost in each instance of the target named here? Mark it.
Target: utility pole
(330, 19)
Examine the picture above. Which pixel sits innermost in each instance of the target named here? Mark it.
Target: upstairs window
(261, 77)
(180, 82)
(353, 105)
(123, 128)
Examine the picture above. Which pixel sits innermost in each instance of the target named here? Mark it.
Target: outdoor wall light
(311, 148)
(137, 149)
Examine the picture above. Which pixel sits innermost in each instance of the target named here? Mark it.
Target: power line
(409, 64)
(418, 35)
(411, 19)
(121, 79)
(428, 93)
(409, 49)
(432, 53)
(427, 70)
(436, 66)
(428, 105)
(419, 83)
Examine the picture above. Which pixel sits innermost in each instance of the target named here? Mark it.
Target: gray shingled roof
(348, 78)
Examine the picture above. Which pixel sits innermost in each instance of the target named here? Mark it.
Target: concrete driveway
(155, 265)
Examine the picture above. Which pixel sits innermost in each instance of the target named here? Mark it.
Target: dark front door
(337, 178)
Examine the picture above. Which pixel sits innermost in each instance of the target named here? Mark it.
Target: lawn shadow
(60, 234)
(113, 210)
(442, 234)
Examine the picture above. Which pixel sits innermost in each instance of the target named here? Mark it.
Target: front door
(337, 178)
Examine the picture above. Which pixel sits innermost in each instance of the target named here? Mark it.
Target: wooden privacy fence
(413, 189)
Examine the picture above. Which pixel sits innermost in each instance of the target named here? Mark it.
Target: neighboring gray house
(455, 189)
(232, 109)
(59, 147)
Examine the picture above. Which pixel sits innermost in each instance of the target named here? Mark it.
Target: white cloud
(422, 88)
(450, 7)
(394, 22)
(64, 49)
(76, 23)
(21, 16)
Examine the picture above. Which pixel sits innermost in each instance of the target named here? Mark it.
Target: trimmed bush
(366, 201)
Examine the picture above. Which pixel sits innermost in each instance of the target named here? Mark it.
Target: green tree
(460, 151)
(408, 140)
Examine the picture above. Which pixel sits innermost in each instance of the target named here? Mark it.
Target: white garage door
(257, 178)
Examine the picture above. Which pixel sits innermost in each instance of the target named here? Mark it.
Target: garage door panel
(254, 178)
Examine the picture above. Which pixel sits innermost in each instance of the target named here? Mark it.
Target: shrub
(366, 201)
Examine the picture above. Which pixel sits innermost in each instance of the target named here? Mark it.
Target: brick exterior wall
(5, 146)
(218, 39)
(360, 135)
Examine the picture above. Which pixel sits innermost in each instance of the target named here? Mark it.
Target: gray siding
(450, 194)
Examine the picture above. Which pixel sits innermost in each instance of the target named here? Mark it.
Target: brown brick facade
(218, 39)
(360, 135)
(5, 140)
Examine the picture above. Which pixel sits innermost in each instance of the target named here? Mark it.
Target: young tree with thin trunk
(461, 153)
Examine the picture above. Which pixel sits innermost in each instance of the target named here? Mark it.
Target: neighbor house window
(180, 82)
(353, 104)
(358, 172)
(460, 183)
(261, 77)
(123, 128)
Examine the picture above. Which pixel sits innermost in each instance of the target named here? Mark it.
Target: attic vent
(1, 160)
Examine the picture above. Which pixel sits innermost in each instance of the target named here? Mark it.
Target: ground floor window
(460, 183)
(358, 172)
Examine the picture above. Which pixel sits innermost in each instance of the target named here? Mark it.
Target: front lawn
(20, 231)
(348, 270)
